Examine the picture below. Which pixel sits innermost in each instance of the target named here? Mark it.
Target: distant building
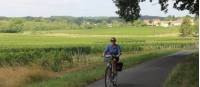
(109, 25)
(148, 22)
(163, 23)
(156, 22)
(178, 22)
(166, 23)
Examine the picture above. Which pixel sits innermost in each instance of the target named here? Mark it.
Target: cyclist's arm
(106, 50)
(119, 51)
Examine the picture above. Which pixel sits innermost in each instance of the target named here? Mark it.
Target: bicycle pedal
(115, 84)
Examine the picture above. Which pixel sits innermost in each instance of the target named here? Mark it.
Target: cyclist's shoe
(115, 84)
(114, 78)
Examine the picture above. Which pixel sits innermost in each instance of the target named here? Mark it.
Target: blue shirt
(112, 50)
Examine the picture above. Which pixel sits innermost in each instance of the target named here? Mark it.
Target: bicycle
(110, 76)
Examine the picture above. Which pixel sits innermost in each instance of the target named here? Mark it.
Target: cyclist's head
(113, 40)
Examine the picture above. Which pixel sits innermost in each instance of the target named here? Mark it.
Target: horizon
(89, 16)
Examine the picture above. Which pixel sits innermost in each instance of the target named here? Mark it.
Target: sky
(46, 8)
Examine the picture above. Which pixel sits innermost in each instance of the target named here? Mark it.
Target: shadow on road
(126, 85)
(136, 85)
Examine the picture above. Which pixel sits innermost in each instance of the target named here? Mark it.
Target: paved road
(149, 74)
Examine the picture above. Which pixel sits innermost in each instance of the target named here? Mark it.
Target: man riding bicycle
(113, 49)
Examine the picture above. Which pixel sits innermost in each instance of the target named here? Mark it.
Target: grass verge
(16, 76)
(88, 75)
(185, 74)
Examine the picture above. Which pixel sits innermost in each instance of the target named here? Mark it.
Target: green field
(63, 45)
(89, 36)
(59, 50)
(128, 30)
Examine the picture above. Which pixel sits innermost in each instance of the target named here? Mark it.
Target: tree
(150, 21)
(129, 10)
(186, 28)
(16, 26)
(196, 27)
(170, 18)
(169, 23)
(139, 23)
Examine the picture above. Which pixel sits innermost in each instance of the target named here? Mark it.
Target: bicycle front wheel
(108, 77)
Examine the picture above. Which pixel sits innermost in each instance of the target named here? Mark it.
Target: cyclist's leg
(115, 64)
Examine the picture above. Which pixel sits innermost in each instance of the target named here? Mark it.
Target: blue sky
(75, 8)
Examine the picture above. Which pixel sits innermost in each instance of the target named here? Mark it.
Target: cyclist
(113, 49)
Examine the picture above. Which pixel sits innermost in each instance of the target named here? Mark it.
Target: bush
(186, 28)
(195, 28)
(51, 58)
(14, 27)
(139, 23)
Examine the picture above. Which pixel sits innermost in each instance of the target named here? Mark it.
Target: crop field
(128, 30)
(55, 46)
(60, 50)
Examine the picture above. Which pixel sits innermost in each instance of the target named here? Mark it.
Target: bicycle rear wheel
(108, 77)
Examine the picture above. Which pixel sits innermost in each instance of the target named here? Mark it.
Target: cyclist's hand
(103, 55)
(118, 56)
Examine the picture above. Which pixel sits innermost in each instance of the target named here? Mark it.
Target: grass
(185, 74)
(45, 49)
(16, 76)
(53, 56)
(128, 30)
(90, 74)
(42, 41)
(80, 37)
(56, 50)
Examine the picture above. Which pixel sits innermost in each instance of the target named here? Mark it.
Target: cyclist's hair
(113, 39)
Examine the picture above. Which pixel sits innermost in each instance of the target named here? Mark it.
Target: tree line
(20, 24)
